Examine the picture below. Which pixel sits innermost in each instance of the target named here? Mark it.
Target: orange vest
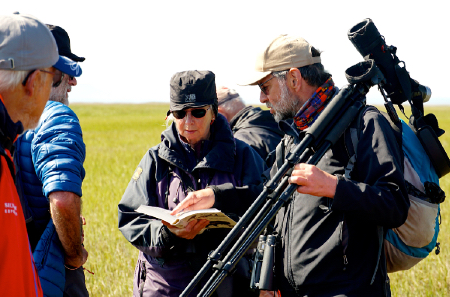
(18, 274)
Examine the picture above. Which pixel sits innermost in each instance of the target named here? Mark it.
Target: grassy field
(117, 136)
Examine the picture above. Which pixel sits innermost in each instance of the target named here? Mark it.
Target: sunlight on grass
(118, 135)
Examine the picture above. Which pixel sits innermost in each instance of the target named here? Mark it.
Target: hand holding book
(192, 229)
(216, 218)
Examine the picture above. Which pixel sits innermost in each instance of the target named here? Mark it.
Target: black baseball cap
(192, 88)
(63, 42)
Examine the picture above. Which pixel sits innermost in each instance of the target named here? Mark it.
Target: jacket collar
(243, 112)
(219, 152)
(8, 129)
(289, 128)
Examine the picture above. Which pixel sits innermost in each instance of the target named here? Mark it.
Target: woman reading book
(197, 153)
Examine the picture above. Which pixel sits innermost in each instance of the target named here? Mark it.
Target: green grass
(117, 136)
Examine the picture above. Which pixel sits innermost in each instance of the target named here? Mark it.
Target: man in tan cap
(328, 234)
(329, 228)
(27, 53)
(252, 125)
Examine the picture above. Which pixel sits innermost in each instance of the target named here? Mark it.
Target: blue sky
(132, 48)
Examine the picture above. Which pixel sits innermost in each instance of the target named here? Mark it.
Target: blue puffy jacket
(48, 159)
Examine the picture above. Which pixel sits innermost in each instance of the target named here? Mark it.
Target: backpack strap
(351, 136)
(351, 139)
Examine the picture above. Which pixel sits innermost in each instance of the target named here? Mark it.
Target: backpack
(410, 243)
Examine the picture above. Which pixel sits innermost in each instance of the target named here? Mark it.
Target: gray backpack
(408, 244)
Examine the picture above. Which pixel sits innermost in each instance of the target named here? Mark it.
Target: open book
(216, 218)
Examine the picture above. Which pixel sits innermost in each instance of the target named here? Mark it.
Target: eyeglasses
(196, 113)
(58, 78)
(24, 82)
(264, 89)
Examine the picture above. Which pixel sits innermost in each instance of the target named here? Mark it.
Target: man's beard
(288, 103)
(59, 94)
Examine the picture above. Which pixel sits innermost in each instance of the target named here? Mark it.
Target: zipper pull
(345, 262)
(438, 248)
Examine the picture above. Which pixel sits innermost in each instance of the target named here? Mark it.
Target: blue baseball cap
(68, 66)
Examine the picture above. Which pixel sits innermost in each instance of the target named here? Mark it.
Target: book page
(158, 212)
(216, 217)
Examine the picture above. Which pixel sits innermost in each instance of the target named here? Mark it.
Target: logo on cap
(190, 98)
(75, 67)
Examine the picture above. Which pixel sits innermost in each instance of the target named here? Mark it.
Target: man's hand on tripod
(313, 181)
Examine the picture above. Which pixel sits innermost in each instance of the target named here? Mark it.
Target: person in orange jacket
(27, 53)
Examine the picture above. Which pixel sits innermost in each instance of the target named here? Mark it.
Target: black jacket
(257, 128)
(329, 247)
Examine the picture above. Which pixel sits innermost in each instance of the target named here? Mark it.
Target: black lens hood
(362, 72)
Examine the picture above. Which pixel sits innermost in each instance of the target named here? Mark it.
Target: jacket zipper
(290, 276)
(47, 246)
(344, 243)
(142, 278)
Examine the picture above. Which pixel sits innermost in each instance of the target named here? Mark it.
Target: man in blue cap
(49, 177)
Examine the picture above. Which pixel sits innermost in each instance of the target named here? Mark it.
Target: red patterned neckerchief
(312, 108)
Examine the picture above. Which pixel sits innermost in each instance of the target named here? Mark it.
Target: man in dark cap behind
(50, 174)
(63, 42)
(254, 126)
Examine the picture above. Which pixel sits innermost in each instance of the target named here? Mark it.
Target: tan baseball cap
(283, 53)
(26, 43)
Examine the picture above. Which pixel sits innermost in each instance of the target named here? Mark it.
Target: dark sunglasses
(261, 85)
(58, 78)
(196, 113)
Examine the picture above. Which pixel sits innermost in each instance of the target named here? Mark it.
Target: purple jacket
(164, 177)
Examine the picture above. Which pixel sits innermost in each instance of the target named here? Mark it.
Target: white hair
(169, 119)
(10, 79)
